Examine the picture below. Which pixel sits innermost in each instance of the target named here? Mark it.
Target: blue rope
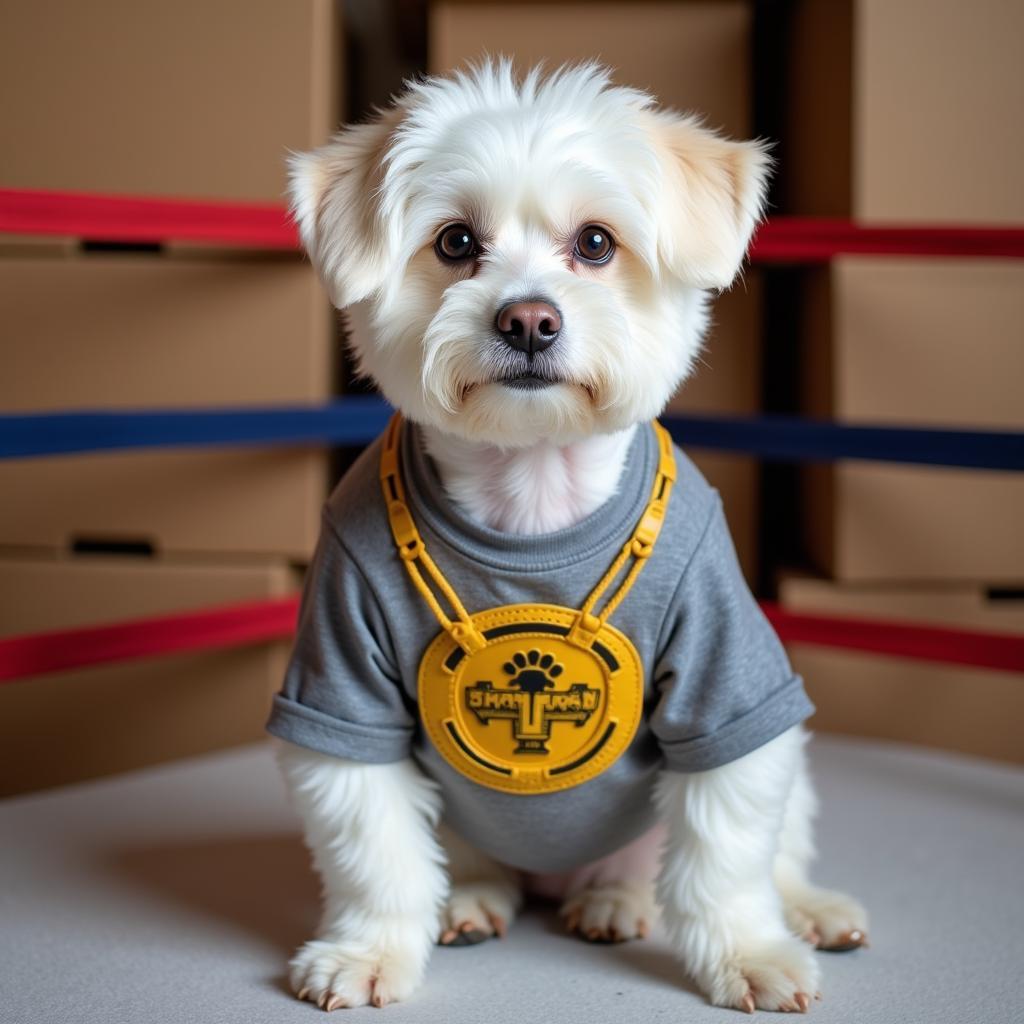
(358, 419)
(355, 421)
(792, 439)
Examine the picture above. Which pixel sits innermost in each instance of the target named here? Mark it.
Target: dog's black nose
(530, 326)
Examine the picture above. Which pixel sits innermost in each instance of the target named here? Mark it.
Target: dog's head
(537, 253)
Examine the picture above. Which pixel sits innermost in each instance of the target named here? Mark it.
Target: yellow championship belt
(528, 698)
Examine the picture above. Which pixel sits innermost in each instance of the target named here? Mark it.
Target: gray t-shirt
(717, 681)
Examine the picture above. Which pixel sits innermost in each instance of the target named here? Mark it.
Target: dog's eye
(456, 243)
(594, 244)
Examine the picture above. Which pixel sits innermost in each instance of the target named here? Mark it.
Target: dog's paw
(478, 911)
(827, 919)
(345, 974)
(780, 975)
(613, 912)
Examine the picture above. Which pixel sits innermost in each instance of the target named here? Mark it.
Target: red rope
(808, 240)
(102, 218)
(204, 630)
(109, 218)
(1001, 651)
(259, 622)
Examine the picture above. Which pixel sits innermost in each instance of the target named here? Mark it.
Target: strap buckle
(648, 529)
(585, 630)
(468, 637)
(406, 535)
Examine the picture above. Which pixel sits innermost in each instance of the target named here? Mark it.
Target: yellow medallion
(531, 712)
(528, 698)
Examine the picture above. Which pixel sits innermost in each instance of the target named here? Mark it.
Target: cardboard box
(690, 55)
(915, 343)
(127, 332)
(75, 725)
(904, 111)
(727, 380)
(973, 711)
(194, 98)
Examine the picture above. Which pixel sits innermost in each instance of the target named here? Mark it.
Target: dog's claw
(498, 924)
(334, 1003)
(302, 993)
(853, 939)
(464, 934)
(803, 1000)
(747, 1003)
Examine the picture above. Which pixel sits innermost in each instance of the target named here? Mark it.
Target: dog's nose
(530, 326)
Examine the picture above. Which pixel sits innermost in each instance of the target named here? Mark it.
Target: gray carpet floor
(177, 894)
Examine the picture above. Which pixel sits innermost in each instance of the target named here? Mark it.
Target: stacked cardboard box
(127, 331)
(912, 343)
(73, 725)
(155, 97)
(879, 135)
(691, 56)
(971, 710)
(196, 99)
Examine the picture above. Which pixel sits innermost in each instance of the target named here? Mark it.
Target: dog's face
(537, 253)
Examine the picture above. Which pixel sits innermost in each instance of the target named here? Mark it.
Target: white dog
(539, 256)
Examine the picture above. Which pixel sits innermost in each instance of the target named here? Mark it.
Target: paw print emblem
(532, 672)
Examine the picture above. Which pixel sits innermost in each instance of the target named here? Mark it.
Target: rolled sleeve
(292, 721)
(342, 694)
(786, 707)
(725, 686)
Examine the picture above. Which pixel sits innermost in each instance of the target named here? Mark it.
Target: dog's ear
(336, 203)
(712, 198)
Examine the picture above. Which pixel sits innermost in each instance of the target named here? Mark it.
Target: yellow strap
(639, 547)
(412, 550)
(587, 626)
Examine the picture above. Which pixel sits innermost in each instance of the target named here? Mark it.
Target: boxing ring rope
(151, 221)
(145, 221)
(359, 419)
(37, 654)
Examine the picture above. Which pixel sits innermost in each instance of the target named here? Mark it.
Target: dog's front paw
(780, 975)
(336, 974)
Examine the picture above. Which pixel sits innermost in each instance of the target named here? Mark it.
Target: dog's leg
(718, 898)
(370, 828)
(484, 898)
(612, 900)
(825, 918)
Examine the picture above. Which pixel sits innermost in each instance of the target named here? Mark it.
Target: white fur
(539, 489)
(716, 889)
(527, 164)
(370, 828)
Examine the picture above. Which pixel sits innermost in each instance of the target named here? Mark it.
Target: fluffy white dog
(539, 256)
